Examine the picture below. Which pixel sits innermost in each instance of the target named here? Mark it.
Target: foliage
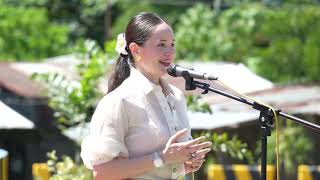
(195, 106)
(27, 34)
(222, 144)
(271, 2)
(194, 33)
(73, 100)
(293, 44)
(223, 147)
(66, 169)
(233, 147)
(127, 9)
(93, 18)
(265, 38)
(225, 150)
(85, 18)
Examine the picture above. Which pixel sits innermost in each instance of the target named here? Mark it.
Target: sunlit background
(56, 55)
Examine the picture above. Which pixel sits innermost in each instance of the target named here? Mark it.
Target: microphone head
(172, 70)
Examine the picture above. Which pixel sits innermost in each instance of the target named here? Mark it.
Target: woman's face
(157, 53)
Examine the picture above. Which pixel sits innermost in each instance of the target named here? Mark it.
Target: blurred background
(56, 55)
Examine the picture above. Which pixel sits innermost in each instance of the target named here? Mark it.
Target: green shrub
(74, 100)
(27, 34)
(194, 104)
(66, 168)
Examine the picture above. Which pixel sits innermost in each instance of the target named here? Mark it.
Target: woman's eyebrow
(164, 40)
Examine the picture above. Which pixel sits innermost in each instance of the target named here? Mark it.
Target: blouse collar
(144, 84)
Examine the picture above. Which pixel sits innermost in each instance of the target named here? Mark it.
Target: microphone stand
(265, 118)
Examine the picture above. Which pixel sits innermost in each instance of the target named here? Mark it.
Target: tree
(279, 43)
(194, 34)
(27, 34)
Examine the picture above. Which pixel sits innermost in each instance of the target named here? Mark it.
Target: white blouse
(134, 120)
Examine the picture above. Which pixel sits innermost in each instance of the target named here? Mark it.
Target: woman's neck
(154, 79)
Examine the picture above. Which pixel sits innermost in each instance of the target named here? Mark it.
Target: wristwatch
(157, 160)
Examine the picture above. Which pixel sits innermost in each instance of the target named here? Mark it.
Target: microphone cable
(275, 117)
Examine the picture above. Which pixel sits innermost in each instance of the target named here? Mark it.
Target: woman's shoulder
(124, 91)
(116, 95)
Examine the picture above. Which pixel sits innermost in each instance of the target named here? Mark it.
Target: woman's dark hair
(138, 31)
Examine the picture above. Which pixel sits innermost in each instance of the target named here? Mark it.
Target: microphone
(177, 71)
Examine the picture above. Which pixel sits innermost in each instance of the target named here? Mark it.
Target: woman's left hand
(197, 158)
(195, 162)
(193, 166)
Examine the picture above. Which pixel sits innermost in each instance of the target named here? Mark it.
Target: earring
(137, 58)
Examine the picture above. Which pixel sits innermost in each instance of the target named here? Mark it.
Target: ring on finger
(192, 155)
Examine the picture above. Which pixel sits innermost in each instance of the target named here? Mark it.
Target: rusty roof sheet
(293, 100)
(16, 81)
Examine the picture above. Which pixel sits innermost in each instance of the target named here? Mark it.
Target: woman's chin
(164, 72)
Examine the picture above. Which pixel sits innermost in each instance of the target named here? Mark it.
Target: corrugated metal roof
(16, 76)
(237, 75)
(220, 119)
(230, 113)
(65, 65)
(16, 81)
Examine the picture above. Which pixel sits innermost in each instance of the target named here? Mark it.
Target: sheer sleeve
(107, 133)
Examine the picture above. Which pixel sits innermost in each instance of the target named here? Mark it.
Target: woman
(140, 129)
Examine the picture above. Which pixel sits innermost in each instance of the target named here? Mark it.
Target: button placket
(165, 107)
(174, 119)
(174, 113)
(174, 172)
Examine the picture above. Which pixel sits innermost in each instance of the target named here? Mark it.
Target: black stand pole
(265, 118)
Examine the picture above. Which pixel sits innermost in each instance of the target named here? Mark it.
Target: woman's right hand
(180, 152)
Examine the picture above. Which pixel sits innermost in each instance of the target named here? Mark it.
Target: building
(27, 127)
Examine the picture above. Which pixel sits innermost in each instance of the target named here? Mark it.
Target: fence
(306, 172)
(238, 172)
(40, 171)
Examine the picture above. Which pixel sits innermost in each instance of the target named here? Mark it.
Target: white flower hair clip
(121, 44)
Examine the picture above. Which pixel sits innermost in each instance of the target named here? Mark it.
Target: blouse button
(174, 170)
(175, 128)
